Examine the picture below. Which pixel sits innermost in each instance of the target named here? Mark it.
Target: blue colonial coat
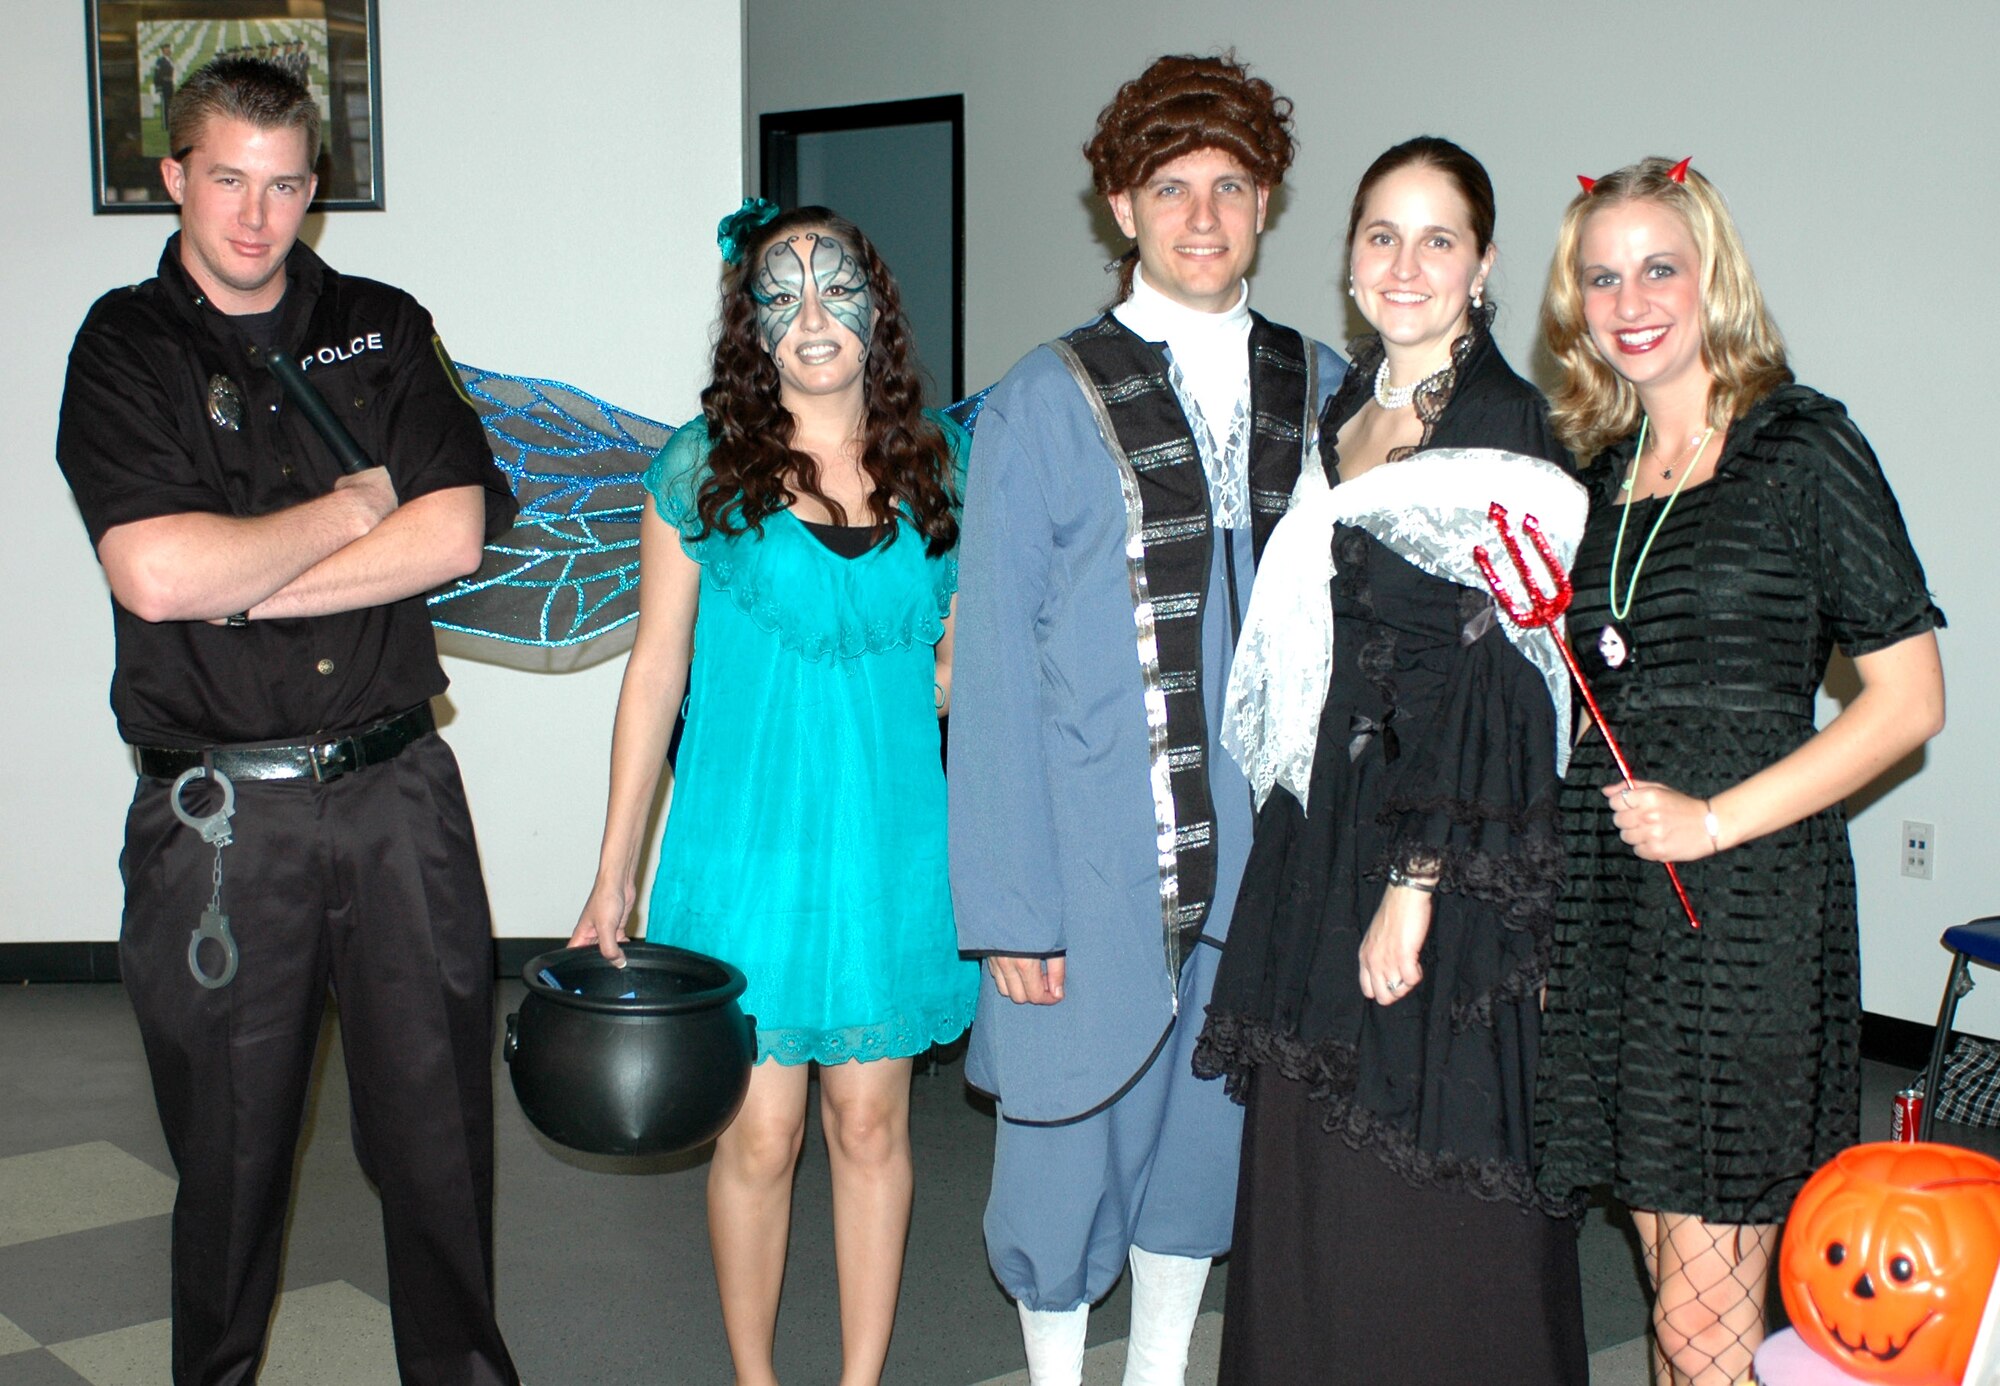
(1054, 844)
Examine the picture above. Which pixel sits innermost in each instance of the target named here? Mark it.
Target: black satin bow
(1364, 729)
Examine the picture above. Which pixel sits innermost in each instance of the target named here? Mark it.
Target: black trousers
(370, 884)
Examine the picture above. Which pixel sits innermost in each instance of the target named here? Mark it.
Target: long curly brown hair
(1181, 104)
(754, 471)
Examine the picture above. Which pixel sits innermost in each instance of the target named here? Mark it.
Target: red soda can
(1907, 1117)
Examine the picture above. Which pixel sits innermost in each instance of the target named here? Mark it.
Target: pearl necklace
(1399, 396)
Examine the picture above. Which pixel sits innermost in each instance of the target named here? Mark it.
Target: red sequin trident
(1545, 610)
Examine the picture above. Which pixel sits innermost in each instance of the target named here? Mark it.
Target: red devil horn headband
(1679, 174)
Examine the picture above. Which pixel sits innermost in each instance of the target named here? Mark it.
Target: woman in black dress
(1376, 1003)
(1741, 528)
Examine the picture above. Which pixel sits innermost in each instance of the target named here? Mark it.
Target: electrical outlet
(1918, 849)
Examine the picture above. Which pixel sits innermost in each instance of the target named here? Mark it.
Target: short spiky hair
(247, 89)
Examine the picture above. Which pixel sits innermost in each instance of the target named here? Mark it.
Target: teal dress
(805, 839)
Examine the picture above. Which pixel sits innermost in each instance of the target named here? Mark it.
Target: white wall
(1856, 142)
(553, 179)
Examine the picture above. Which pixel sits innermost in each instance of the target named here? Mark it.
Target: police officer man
(272, 637)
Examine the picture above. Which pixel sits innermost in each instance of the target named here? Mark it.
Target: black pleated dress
(1388, 1224)
(1711, 1071)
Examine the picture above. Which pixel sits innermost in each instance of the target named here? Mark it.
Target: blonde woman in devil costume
(1740, 529)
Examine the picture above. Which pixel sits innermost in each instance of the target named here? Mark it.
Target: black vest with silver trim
(1170, 545)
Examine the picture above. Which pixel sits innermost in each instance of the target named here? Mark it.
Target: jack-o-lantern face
(1889, 1254)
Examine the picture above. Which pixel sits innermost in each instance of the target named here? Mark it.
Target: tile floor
(601, 1264)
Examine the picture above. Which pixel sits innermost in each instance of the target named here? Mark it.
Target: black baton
(330, 429)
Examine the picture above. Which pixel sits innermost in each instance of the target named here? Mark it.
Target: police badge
(225, 403)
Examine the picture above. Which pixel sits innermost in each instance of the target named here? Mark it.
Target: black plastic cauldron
(650, 1059)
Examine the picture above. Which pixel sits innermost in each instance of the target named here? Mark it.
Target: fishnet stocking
(1709, 1282)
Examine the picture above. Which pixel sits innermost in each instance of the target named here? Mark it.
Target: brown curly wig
(1181, 104)
(754, 471)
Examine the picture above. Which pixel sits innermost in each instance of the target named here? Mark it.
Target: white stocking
(1054, 1340)
(1166, 1297)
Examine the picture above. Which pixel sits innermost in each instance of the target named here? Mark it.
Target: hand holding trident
(1545, 610)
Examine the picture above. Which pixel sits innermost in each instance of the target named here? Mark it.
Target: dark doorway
(897, 170)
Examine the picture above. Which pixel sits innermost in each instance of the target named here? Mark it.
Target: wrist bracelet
(1711, 825)
(1398, 877)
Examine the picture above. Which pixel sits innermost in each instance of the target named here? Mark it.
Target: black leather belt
(318, 760)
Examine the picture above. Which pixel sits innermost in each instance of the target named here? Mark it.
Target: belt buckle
(330, 759)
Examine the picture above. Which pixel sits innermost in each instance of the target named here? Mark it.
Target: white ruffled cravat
(1211, 376)
(1212, 349)
(1432, 510)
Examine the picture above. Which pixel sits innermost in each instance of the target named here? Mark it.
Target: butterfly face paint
(812, 265)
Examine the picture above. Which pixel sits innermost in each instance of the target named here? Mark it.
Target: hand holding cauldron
(602, 923)
(650, 1059)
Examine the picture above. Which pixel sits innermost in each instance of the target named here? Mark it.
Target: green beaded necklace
(1618, 549)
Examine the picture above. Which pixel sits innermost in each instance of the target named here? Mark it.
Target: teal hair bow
(734, 232)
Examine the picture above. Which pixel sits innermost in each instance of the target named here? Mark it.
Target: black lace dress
(1388, 1226)
(1710, 1072)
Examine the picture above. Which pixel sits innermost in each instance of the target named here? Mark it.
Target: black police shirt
(166, 410)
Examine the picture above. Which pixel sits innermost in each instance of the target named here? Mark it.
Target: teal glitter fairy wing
(965, 413)
(560, 590)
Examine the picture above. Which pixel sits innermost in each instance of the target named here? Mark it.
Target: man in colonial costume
(1124, 479)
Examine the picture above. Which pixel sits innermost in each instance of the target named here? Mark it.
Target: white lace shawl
(1430, 509)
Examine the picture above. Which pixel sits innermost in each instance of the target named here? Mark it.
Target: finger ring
(1626, 795)
(1395, 984)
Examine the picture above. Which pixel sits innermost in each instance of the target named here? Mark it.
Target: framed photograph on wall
(141, 50)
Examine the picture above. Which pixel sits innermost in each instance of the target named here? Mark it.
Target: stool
(1977, 942)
